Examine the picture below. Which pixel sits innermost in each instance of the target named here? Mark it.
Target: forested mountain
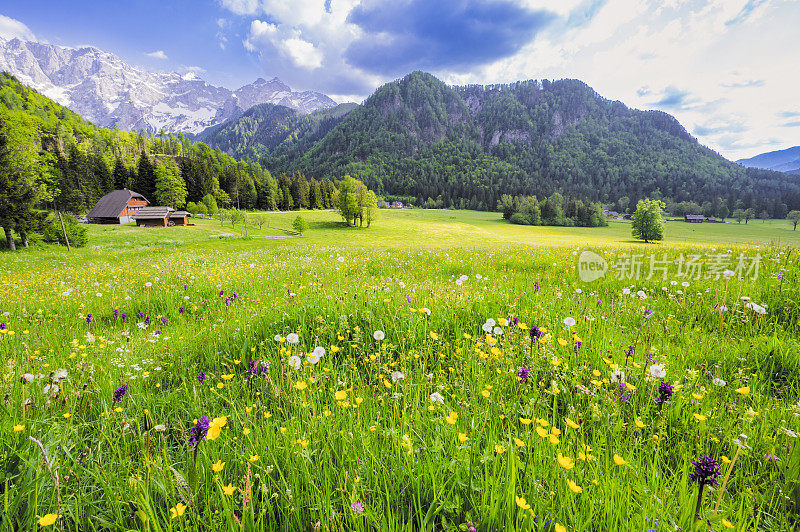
(267, 130)
(465, 146)
(77, 162)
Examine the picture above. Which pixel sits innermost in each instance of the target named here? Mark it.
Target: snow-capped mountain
(105, 90)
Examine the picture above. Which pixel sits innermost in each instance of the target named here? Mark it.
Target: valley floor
(440, 370)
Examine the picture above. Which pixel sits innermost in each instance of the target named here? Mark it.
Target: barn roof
(152, 213)
(179, 214)
(112, 204)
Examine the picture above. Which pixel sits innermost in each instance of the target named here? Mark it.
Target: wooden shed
(694, 218)
(179, 218)
(153, 216)
(117, 207)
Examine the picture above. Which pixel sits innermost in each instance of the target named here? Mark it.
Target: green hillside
(465, 146)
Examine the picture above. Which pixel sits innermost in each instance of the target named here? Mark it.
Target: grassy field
(438, 371)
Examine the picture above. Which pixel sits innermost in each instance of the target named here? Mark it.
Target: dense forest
(466, 146)
(77, 163)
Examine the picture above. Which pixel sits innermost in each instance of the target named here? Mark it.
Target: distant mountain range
(787, 160)
(105, 90)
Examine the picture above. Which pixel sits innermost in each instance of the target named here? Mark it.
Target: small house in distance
(694, 218)
(153, 216)
(117, 207)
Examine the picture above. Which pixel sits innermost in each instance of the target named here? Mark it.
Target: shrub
(520, 219)
(49, 227)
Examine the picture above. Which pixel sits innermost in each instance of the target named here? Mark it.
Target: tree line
(553, 210)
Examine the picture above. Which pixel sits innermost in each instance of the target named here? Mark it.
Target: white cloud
(241, 7)
(158, 54)
(11, 28)
(286, 41)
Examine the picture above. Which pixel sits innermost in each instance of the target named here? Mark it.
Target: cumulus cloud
(11, 28)
(158, 54)
(285, 41)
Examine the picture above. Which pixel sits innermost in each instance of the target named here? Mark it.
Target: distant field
(446, 228)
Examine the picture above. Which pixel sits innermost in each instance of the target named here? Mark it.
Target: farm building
(694, 218)
(153, 216)
(117, 207)
(179, 218)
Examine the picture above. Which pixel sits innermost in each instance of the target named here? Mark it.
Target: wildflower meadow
(252, 385)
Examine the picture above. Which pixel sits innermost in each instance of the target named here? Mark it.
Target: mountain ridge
(787, 160)
(107, 91)
(464, 146)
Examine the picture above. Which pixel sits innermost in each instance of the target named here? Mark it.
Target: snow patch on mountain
(105, 90)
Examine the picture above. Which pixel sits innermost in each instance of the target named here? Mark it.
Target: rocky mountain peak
(107, 91)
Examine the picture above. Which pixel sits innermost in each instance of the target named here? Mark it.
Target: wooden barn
(117, 207)
(694, 218)
(153, 216)
(179, 218)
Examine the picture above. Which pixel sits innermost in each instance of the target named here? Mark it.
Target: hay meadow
(441, 370)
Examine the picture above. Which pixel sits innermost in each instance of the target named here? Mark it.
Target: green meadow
(440, 370)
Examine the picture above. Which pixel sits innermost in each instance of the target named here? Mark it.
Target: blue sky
(727, 69)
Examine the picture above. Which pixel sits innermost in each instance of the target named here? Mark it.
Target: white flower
(491, 322)
(319, 351)
(148, 284)
(658, 371)
(65, 293)
(426, 310)
(617, 376)
(578, 291)
(741, 442)
(295, 361)
(436, 397)
(728, 274)
(719, 382)
(292, 338)
(569, 322)
(478, 276)
(27, 378)
(498, 331)
(99, 294)
(59, 374)
(312, 358)
(51, 389)
(459, 282)
(379, 335)
(160, 428)
(758, 309)
(398, 376)
(641, 294)
(685, 284)
(626, 291)
(340, 259)
(486, 328)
